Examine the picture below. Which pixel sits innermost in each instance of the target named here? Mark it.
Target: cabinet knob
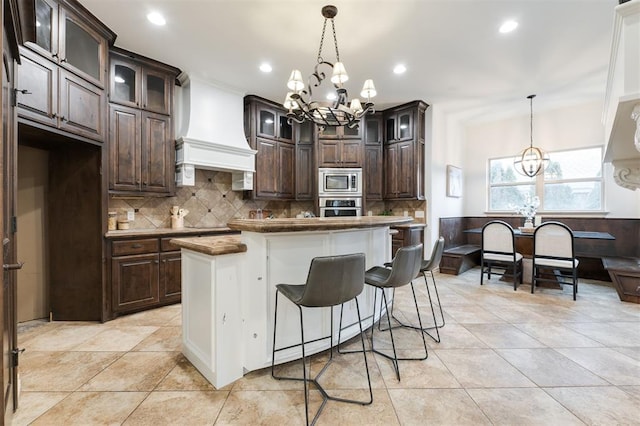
(54, 115)
(63, 60)
(63, 118)
(55, 56)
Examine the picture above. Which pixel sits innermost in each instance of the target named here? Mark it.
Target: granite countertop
(213, 246)
(159, 232)
(315, 223)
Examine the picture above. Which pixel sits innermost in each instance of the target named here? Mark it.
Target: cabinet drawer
(122, 248)
(166, 245)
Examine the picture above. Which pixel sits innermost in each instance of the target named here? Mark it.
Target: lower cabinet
(407, 236)
(145, 273)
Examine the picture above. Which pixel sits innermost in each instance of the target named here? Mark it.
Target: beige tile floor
(506, 358)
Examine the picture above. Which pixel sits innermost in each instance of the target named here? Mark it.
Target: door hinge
(14, 95)
(15, 355)
(14, 224)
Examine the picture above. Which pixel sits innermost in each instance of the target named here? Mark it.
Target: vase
(528, 222)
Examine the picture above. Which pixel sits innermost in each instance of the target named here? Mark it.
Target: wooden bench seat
(456, 260)
(625, 274)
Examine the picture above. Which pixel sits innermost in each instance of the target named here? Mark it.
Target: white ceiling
(455, 56)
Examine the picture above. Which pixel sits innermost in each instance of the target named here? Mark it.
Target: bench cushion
(463, 250)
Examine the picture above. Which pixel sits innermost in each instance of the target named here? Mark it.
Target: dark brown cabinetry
(339, 153)
(141, 148)
(273, 138)
(340, 147)
(53, 96)
(138, 84)
(305, 162)
(408, 235)
(67, 34)
(144, 273)
(373, 164)
(404, 152)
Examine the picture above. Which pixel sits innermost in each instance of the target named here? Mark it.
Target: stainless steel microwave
(339, 181)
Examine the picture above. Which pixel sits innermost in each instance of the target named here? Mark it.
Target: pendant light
(532, 160)
(340, 112)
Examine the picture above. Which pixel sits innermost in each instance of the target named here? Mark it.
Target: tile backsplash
(212, 203)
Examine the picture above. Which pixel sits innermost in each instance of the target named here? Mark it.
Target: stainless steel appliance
(340, 206)
(340, 182)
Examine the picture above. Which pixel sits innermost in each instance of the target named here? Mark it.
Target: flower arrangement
(529, 209)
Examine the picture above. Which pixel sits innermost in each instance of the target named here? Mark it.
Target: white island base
(228, 300)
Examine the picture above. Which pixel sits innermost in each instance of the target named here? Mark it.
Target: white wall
(444, 145)
(557, 129)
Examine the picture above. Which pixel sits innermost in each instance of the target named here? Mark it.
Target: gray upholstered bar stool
(332, 281)
(404, 268)
(428, 266)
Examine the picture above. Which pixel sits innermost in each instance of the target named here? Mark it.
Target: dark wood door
(373, 176)
(39, 79)
(286, 164)
(82, 107)
(405, 171)
(170, 276)
(134, 281)
(266, 172)
(390, 171)
(305, 172)
(124, 148)
(156, 159)
(350, 153)
(329, 153)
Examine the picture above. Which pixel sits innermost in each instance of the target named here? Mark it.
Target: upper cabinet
(139, 82)
(341, 132)
(404, 152)
(269, 133)
(373, 163)
(141, 143)
(66, 33)
(399, 125)
(272, 123)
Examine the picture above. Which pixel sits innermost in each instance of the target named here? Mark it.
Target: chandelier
(339, 112)
(532, 160)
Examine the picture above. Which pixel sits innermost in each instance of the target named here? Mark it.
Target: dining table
(524, 244)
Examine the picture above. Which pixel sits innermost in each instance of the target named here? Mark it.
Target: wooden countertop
(161, 232)
(214, 245)
(315, 223)
(414, 224)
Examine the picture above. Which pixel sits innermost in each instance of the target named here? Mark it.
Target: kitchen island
(228, 289)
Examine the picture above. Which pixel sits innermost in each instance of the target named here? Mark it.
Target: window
(572, 182)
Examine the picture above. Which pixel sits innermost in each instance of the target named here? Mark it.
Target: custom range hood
(211, 132)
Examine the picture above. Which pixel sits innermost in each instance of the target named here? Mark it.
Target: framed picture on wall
(454, 181)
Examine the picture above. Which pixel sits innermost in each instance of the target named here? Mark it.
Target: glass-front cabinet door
(266, 126)
(155, 91)
(81, 49)
(46, 27)
(124, 85)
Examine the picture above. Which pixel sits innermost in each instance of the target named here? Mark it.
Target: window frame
(539, 182)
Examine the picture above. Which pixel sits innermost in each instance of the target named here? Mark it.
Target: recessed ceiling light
(265, 67)
(156, 18)
(331, 96)
(508, 26)
(399, 69)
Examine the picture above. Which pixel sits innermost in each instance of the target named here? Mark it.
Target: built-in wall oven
(340, 191)
(340, 207)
